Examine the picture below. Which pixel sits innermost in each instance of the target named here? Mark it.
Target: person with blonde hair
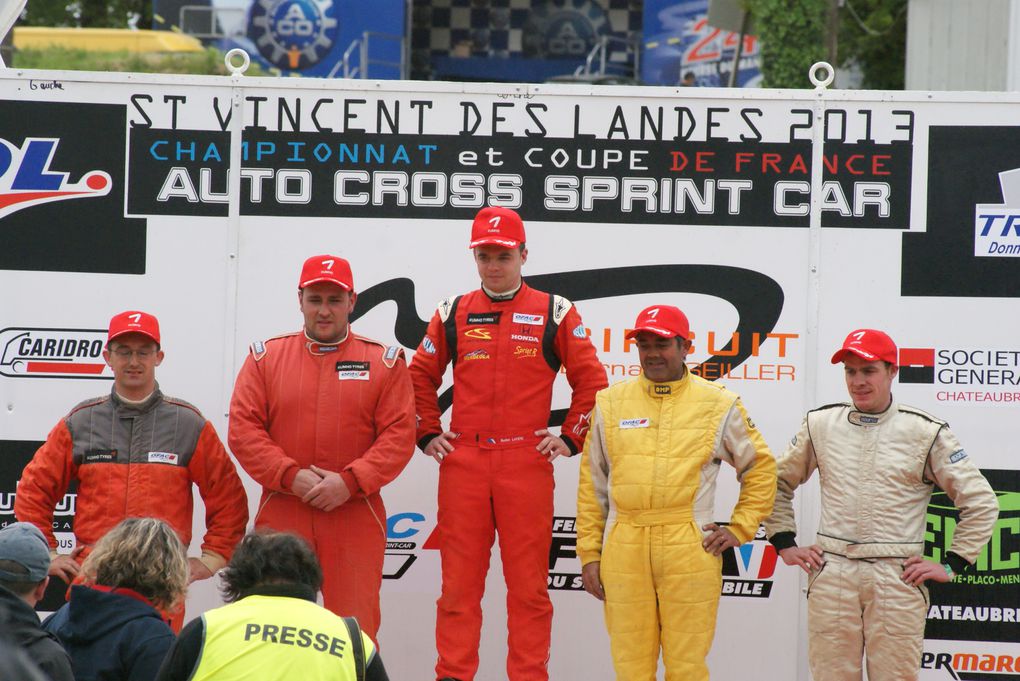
(114, 624)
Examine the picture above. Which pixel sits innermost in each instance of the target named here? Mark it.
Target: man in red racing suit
(507, 343)
(322, 419)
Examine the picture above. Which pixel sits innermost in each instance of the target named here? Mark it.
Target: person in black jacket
(24, 562)
(114, 625)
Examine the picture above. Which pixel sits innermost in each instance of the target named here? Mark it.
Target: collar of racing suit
(508, 295)
(317, 348)
(863, 418)
(666, 388)
(142, 406)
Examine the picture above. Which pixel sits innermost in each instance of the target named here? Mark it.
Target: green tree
(792, 34)
(873, 35)
(89, 13)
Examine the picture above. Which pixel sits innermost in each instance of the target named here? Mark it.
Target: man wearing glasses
(134, 453)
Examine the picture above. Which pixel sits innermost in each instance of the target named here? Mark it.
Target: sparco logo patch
(352, 371)
(53, 353)
(634, 423)
(26, 179)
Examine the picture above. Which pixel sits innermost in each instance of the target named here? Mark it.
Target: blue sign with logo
(681, 48)
(310, 37)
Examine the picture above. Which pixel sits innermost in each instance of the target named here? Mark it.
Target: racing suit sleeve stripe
(226, 503)
(743, 447)
(549, 333)
(793, 469)
(248, 434)
(45, 481)
(585, 374)
(394, 440)
(593, 492)
(954, 471)
(427, 371)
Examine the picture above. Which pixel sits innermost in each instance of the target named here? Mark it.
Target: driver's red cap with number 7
(870, 344)
(497, 226)
(133, 321)
(662, 320)
(328, 268)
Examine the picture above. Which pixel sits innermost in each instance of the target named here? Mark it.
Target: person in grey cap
(24, 564)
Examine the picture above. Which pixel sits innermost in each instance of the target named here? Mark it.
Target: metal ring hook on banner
(228, 59)
(826, 80)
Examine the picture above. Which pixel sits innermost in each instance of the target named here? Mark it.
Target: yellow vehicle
(104, 39)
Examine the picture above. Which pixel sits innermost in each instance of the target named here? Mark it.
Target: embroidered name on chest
(99, 456)
(352, 371)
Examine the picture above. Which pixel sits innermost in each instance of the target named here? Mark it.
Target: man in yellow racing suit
(650, 465)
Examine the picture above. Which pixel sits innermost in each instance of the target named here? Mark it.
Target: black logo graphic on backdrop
(583, 179)
(757, 298)
(85, 141)
(180, 172)
(14, 455)
(963, 170)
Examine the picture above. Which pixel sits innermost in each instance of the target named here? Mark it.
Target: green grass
(209, 62)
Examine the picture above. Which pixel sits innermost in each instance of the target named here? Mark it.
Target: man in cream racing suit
(877, 463)
(649, 471)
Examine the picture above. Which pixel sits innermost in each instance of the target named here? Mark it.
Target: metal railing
(600, 52)
(362, 46)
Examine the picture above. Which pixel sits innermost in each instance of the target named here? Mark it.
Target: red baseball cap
(869, 344)
(133, 321)
(497, 226)
(331, 268)
(662, 320)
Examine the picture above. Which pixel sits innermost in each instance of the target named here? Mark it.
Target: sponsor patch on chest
(532, 319)
(352, 371)
(627, 424)
(164, 457)
(861, 419)
(483, 317)
(99, 456)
